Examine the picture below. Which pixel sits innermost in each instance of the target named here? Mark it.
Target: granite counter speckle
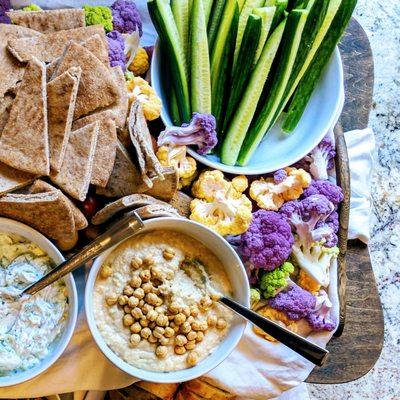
(381, 21)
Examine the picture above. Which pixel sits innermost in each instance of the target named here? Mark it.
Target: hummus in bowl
(149, 314)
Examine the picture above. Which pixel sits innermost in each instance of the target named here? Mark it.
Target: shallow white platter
(277, 150)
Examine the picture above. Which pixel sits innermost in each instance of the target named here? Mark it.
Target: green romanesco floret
(32, 7)
(99, 15)
(255, 297)
(274, 281)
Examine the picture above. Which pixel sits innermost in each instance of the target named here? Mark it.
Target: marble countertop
(381, 21)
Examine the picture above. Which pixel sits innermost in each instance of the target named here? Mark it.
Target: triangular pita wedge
(49, 20)
(11, 70)
(181, 201)
(76, 169)
(124, 204)
(5, 108)
(12, 179)
(61, 97)
(24, 143)
(157, 211)
(163, 189)
(51, 46)
(104, 156)
(47, 212)
(94, 44)
(97, 86)
(141, 139)
(40, 186)
(125, 178)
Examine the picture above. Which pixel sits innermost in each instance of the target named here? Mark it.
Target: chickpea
(143, 322)
(192, 335)
(128, 291)
(137, 313)
(221, 323)
(135, 339)
(211, 321)
(158, 332)
(147, 287)
(179, 350)
(169, 275)
(180, 319)
(190, 320)
(152, 339)
(156, 273)
(152, 315)
(148, 260)
(155, 290)
(161, 351)
(145, 333)
(200, 326)
(200, 337)
(159, 310)
(135, 282)
(122, 300)
(180, 340)
(136, 327)
(139, 293)
(171, 317)
(162, 320)
(159, 302)
(145, 275)
(186, 311)
(164, 341)
(190, 345)
(141, 303)
(111, 299)
(152, 325)
(168, 254)
(185, 327)
(192, 358)
(127, 309)
(151, 298)
(147, 308)
(127, 320)
(194, 311)
(215, 296)
(169, 332)
(133, 302)
(106, 271)
(206, 303)
(136, 263)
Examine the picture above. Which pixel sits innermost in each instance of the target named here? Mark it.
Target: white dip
(28, 326)
(179, 288)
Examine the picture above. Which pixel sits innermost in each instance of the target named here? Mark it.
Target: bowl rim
(290, 160)
(159, 376)
(11, 226)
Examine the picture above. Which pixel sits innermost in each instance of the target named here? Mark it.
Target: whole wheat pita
(61, 97)
(12, 71)
(104, 156)
(12, 179)
(46, 21)
(5, 108)
(24, 141)
(181, 201)
(40, 186)
(164, 189)
(49, 47)
(97, 87)
(157, 211)
(76, 169)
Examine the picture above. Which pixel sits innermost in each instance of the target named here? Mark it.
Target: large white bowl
(59, 345)
(237, 277)
(277, 150)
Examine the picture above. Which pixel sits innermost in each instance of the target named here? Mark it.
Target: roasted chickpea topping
(137, 313)
(139, 293)
(159, 302)
(152, 325)
(206, 303)
(192, 335)
(160, 310)
(158, 332)
(185, 327)
(180, 340)
(128, 320)
(135, 339)
(147, 308)
(151, 298)
(141, 303)
(164, 341)
(174, 308)
(211, 321)
(136, 262)
(127, 309)
(145, 275)
(179, 350)
(169, 332)
(145, 332)
(152, 339)
(144, 322)
(162, 320)
(156, 273)
(135, 328)
(111, 299)
(192, 358)
(161, 351)
(147, 287)
(152, 315)
(200, 337)
(215, 297)
(171, 317)
(168, 254)
(155, 290)
(186, 311)
(106, 271)
(221, 323)
(133, 302)
(122, 300)
(135, 282)
(148, 260)
(128, 291)
(194, 311)
(190, 320)
(190, 345)
(180, 319)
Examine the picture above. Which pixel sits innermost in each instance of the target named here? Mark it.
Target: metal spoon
(310, 351)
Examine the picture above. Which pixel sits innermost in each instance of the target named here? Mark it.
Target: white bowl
(59, 345)
(277, 150)
(237, 277)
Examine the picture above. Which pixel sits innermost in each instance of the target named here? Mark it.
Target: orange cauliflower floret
(308, 283)
(288, 184)
(140, 63)
(277, 316)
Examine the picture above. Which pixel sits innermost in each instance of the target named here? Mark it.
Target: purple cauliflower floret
(322, 159)
(280, 176)
(199, 132)
(328, 230)
(4, 7)
(320, 318)
(116, 52)
(126, 17)
(331, 191)
(294, 301)
(268, 242)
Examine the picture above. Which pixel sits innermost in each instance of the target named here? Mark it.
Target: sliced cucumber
(207, 9)
(164, 22)
(321, 59)
(200, 62)
(214, 22)
(247, 107)
(242, 71)
(180, 10)
(281, 6)
(290, 44)
(267, 15)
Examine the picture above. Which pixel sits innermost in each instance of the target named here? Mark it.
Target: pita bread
(165, 391)
(51, 46)
(97, 87)
(157, 211)
(49, 20)
(163, 189)
(61, 97)
(5, 108)
(181, 202)
(94, 44)
(49, 213)
(125, 178)
(40, 186)
(124, 204)
(104, 156)
(76, 169)
(11, 70)
(12, 179)
(140, 136)
(24, 141)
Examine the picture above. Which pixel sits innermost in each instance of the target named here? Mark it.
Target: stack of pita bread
(62, 111)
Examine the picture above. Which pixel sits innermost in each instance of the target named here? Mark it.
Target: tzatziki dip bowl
(151, 316)
(34, 330)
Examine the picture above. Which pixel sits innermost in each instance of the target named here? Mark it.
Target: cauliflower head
(140, 90)
(116, 49)
(140, 63)
(126, 17)
(32, 7)
(99, 15)
(274, 281)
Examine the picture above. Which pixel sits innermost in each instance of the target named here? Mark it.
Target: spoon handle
(121, 230)
(316, 354)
